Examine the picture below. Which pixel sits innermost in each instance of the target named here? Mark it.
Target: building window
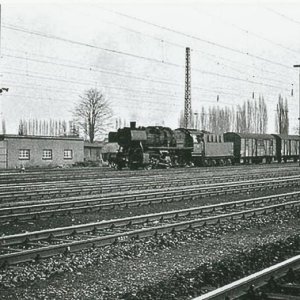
(47, 154)
(24, 154)
(68, 154)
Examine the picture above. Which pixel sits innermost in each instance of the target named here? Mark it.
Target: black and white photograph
(150, 150)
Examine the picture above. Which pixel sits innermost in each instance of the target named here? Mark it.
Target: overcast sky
(135, 53)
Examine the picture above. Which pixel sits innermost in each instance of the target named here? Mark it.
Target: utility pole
(187, 98)
(298, 66)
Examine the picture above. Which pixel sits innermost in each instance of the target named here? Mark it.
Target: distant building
(99, 151)
(93, 151)
(39, 151)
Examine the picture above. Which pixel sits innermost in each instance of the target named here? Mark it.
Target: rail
(240, 287)
(51, 209)
(225, 186)
(92, 173)
(86, 241)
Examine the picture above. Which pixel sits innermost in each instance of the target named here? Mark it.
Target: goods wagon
(252, 148)
(287, 147)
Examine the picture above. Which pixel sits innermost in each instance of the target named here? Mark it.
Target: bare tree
(93, 113)
(203, 119)
(181, 121)
(241, 119)
(46, 128)
(262, 116)
(282, 116)
(3, 126)
(252, 116)
(216, 119)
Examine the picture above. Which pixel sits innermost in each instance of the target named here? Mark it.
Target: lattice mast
(187, 97)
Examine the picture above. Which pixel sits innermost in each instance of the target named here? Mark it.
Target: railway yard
(98, 233)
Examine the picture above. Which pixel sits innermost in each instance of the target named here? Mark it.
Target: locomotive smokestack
(132, 125)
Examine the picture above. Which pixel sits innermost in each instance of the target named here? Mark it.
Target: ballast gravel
(142, 269)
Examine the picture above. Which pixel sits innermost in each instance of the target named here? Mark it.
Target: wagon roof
(253, 135)
(287, 137)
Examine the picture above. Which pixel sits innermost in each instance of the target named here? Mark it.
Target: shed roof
(93, 145)
(39, 137)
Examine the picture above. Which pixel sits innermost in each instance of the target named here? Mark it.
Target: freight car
(252, 148)
(287, 147)
(157, 146)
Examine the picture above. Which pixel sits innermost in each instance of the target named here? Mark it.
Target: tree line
(48, 127)
(92, 117)
(249, 117)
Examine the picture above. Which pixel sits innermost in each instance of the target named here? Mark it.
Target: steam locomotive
(160, 147)
(157, 146)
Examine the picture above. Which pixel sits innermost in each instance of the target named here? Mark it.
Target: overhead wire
(193, 49)
(120, 52)
(113, 72)
(119, 100)
(199, 39)
(248, 32)
(89, 83)
(281, 15)
(168, 95)
(206, 72)
(90, 69)
(230, 77)
(51, 36)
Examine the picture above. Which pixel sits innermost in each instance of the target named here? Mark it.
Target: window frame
(69, 151)
(23, 157)
(45, 157)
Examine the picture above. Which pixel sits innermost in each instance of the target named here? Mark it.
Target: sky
(134, 52)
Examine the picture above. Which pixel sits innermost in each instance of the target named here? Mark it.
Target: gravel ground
(76, 219)
(152, 268)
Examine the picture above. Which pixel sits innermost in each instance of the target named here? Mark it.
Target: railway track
(279, 282)
(93, 173)
(123, 186)
(40, 244)
(176, 179)
(55, 207)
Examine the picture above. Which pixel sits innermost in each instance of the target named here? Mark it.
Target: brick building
(42, 151)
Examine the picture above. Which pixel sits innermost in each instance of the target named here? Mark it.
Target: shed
(39, 151)
(92, 151)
